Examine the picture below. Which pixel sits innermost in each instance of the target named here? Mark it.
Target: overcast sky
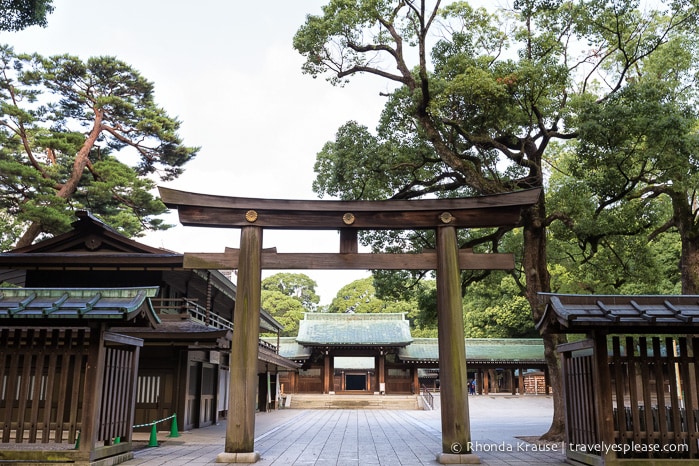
(228, 71)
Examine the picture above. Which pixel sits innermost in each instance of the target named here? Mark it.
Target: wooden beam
(351, 261)
(311, 220)
(236, 212)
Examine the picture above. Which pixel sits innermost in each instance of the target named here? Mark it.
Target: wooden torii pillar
(443, 215)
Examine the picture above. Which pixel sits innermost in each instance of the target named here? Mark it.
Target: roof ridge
(354, 316)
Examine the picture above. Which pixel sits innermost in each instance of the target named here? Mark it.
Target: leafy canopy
(80, 134)
(16, 15)
(286, 296)
(483, 97)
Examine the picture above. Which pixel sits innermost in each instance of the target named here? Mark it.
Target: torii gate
(252, 216)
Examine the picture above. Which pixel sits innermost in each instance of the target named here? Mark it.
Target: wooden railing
(427, 396)
(199, 314)
(195, 311)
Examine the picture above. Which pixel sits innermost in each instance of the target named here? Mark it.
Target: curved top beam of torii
(235, 212)
(349, 217)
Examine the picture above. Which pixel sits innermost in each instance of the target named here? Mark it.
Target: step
(310, 401)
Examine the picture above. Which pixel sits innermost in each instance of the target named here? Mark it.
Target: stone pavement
(372, 437)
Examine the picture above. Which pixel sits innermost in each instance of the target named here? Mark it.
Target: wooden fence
(43, 375)
(67, 388)
(651, 388)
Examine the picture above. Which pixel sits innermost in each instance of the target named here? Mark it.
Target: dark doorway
(355, 382)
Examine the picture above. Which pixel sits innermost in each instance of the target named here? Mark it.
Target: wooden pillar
(92, 390)
(486, 381)
(603, 386)
(416, 380)
(240, 429)
(381, 372)
(456, 432)
(521, 381)
(326, 373)
(293, 382)
(348, 241)
(513, 385)
(135, 358)
(332, 374)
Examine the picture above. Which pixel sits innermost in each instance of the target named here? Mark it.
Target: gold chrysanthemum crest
(251, 216)
(446, 217)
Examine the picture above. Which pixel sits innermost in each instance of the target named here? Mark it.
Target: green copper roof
(328, 329)
(122, 304)
(289, 348)
(479, 349)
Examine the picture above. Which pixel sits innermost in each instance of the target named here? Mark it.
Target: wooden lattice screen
(578, 388)
(47, 408)
(651, 389)
(653, 382)
(118, 388)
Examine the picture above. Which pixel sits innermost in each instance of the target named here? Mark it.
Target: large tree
(637, 152)
(80, 134)
(479, 98)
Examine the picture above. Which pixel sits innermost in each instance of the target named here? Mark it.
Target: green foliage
(359, 296)
(342, 25)
(410, 287)
(495, 308)
(80, 134)
(288, 311)
(601, 246)
(286, 296)
(16, 15)
(424, 332)
(10, 230)
(635, 162)
(494, 104)
(299, 286)
(359, 165)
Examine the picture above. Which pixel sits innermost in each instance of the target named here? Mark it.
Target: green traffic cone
(117, 440)
(173, 429)
(153, 437)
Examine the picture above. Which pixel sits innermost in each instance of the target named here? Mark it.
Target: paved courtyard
(373, 437)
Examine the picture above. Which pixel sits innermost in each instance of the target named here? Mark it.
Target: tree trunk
(684, 212)
(538, 280)
(689, 264)
(29, 235)
(69, 187)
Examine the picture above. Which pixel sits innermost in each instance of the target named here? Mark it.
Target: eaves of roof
(76, 304)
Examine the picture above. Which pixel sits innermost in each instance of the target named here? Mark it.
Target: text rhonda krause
(485, 447)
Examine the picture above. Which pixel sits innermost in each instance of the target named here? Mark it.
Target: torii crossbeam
(252, 216)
